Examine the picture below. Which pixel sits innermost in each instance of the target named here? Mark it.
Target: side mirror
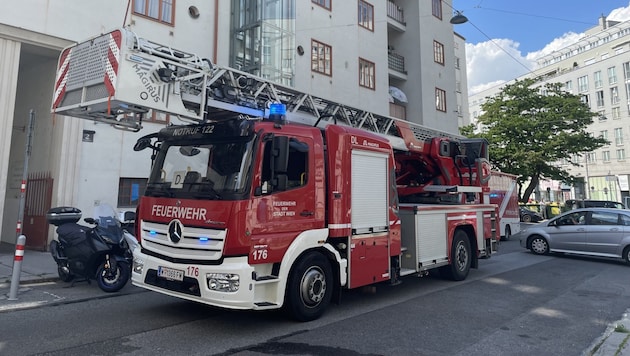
(141, 144)
(90, 220)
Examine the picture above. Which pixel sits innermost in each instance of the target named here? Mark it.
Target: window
(568, 86)
(590, 157)
(586, 99)
(626, 71)
(606, 156)
(614, 96)
(440, 99)
(604, 134)
(612, 76)
(297, 167)
(583, 84)
(130, 190)
(437, 8)
(619, 136)
(438, 52)
(621, 154)
(323, 3)
(367, 72)
(616, 113)
(397, 111)
(598, 79)
(457, 63)
(158, 10)
(321, 58)
(366, 15)
(600, 98)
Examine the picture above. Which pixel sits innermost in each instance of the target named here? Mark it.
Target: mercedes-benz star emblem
(175, 229)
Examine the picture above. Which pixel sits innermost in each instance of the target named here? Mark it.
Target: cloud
(495, 62)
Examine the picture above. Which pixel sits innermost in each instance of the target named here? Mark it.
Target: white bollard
(17, 266)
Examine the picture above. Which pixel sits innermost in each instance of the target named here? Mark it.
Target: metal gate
(39, 188)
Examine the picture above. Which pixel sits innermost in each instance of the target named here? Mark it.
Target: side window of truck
(297, 168)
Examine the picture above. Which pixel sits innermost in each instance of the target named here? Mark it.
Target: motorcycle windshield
(206, 170)
(108, 223)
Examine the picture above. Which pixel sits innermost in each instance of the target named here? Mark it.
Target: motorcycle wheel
(112, 280)
(63, 275)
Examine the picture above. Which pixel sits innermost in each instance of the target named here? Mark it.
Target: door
(570, 232)
(604, 233)
(38, 199)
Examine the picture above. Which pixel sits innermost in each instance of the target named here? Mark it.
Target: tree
(531, 129)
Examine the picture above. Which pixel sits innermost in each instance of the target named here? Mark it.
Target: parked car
(603, 232)
(528, 215)
(575, 204)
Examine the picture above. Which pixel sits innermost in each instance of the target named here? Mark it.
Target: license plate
(170, 273)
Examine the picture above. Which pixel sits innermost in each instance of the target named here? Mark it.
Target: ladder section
(118, 77)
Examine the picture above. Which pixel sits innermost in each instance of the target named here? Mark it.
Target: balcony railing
(396, 62)
(395, 12)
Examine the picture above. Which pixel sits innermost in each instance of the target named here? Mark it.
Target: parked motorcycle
(84, 253)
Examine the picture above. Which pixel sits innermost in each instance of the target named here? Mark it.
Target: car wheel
(539, 245)
(508, 233)
(527, 218)
(626, 255)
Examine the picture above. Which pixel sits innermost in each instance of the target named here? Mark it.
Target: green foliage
(531, 129)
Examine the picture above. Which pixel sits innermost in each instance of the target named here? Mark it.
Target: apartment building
(597, 68)
(397, 58)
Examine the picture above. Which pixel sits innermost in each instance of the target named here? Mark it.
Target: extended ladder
(118, 77)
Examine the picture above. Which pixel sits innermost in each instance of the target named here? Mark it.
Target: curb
(615, 340)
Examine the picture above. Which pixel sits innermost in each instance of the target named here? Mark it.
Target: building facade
(392, 58)
(597, 68)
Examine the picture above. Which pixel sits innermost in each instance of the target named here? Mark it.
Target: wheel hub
(313, 287)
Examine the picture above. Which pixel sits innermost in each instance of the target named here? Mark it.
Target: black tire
(508, 233)
(527, 218)
(626, 255)
(63, 275)
(539, 245)
(112, 281)
(461, 258)
(309, 288)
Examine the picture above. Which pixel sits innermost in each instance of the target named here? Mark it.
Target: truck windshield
(202, 171)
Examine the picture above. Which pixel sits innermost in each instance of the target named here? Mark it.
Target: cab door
(284, 202)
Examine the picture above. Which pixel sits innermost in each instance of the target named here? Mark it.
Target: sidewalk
(39, 286)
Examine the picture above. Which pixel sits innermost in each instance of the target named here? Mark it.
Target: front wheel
(461, 258)
(309, 288)
(112, 279)
(626, 255)
(539, 246)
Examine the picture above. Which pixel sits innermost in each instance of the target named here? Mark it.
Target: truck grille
(194, 244)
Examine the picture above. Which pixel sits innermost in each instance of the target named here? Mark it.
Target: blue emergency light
(277, 112)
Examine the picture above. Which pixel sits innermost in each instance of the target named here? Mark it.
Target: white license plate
(170, 273)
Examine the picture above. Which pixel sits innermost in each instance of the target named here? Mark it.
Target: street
(516, 303)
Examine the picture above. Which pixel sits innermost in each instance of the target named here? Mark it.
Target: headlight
(223, 282)
(138, 265)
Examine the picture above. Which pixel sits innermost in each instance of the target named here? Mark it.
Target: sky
(504, 37)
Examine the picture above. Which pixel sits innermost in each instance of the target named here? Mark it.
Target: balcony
(395, 17)
(396, 65)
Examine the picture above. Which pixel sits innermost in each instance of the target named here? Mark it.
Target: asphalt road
(516, 303)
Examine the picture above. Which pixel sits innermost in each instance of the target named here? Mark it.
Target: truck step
(266, 279)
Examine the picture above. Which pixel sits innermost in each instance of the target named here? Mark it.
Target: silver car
(603, 232)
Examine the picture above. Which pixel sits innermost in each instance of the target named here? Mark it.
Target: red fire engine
(275, 198)
(504, 193)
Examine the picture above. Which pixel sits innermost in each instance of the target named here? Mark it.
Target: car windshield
(202, 171)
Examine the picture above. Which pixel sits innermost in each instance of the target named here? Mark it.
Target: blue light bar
(277, 109)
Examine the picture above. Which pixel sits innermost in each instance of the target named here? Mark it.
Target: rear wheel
(508, 233)
(309, 288)
(112, 279)
(460, 258)
(539, 245)
(527, 218)
(64, 274)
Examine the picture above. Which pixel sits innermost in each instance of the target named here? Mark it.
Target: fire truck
(273, 198)
(504, 193)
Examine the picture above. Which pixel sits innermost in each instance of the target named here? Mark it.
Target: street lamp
(458, 18)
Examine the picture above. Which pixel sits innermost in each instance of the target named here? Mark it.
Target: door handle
(307, 213)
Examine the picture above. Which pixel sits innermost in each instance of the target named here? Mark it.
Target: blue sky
(504, 37)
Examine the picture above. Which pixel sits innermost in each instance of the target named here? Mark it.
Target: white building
(352, 52)
(597, 68)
